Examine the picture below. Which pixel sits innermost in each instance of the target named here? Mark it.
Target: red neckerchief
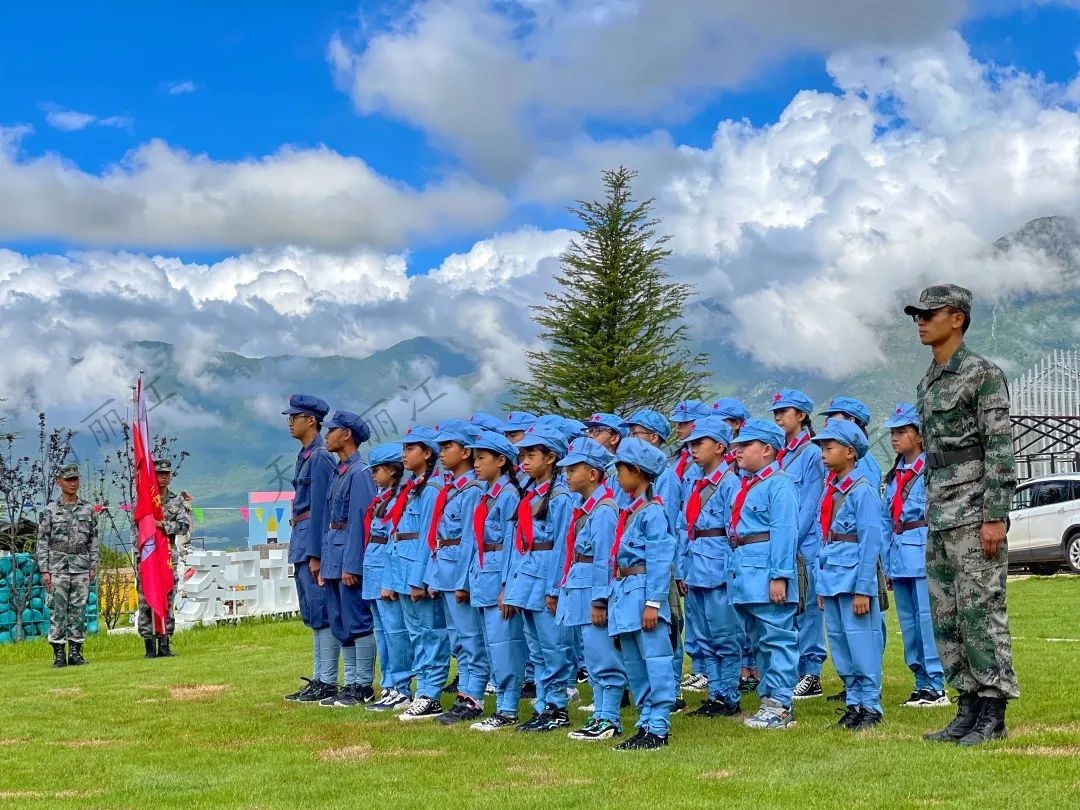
(682, 464)
(831, 488)
(398, 509)
(793, 445)
(480, 518)
(620, 528)
(747, 484)
(693, 503)
(440, 507)
(523, 537)
(571, 535)
(902, 478)
(369, 513)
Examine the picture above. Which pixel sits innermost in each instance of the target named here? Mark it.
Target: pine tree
(615, 336)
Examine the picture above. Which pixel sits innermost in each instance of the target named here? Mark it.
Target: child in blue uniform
(859, 413)
(801, 460)
(606, 429)
(903, 514)
(587, 549)
(850, 532)
(487, 535)
(637, 610)
(391, 637)
(763, 531)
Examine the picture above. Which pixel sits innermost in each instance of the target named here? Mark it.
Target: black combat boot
(75, 658)
(58, 659)
(151, 648)
(163, 649)
(990, 724)
(967, 712)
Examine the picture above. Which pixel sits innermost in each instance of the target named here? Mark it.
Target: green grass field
(209, 729)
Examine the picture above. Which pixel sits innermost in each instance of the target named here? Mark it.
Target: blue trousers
(775, 645)
(811, 624)
(349, 613)
(508, 653)
(382, 651)
(535, 660)
(397, 665)
(912, 599)
(677, 653)
(718, 639)
(359, 657)
(577, 649)
(311, 596)
(857, 647)
(557, 663)
(691, 637)
(327, 652)
(646, 656)
(472, 664)
(607, 676)
(426, 624)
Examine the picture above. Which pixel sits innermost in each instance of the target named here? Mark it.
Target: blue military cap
(518, 420)
(611, 421)
(421, 434)
(548, 436)
(495, 442)
(485, 421)
(712, 427)
(583, 450)
(307, 405)
(790, 398)
(849, 407)
(638, 453)
(456, 430)
(729, 408)
(760, 430)
(385, 454)
(689, 410)
(650, 420)
(351, 422)
(571, 428)
(847, 433)
(904, 414)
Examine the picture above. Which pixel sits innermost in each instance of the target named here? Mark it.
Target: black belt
(749, 540)
(696, 533)
(935, 461)
(379, 540)
(900, 528)
(341, 524)
(492, 547)
(585, 558)
(299, 518)
(547, 546)
(68, 549)
(623, 573)
(447, 542)
(407, 536)
(837, 537)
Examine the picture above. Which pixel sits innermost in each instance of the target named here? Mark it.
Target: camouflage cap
(163, 466)
(941, 295)
(68, 471)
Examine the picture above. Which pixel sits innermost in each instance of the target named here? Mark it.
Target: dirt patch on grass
(411, 752)
(544, 777)
(1051, 751)
(350, 753)
(5, 743)
(716, 775)
(84, 743)
(1031, 729)
(198, 691)
(50, 794)
(69, 691)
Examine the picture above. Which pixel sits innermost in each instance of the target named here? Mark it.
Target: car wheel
(1072, 552)
(1044, 569)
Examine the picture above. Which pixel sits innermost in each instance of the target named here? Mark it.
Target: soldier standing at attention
(67, 556)
(963, 402)
(176, 521)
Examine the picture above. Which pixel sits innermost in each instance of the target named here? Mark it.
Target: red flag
(155, 563)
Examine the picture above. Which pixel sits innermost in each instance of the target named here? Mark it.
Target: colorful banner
(198, 514)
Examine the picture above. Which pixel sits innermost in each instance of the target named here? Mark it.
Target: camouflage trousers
(145, 622)
(967, 606)
(67, 607)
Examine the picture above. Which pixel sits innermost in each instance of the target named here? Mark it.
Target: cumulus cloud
(73, 121)
(181, 88)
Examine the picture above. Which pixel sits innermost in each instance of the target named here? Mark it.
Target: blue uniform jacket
(904, 554)
(703, 562)
(376, 554)
(847, 565)
(593, 539)
(669, 489)
(485, 582)
(311, 488)
(531, 576)
(448, 569)
(646, 541)
(806, 470)
(771, 506)
(351, 490)
(871, 471)
(612, 481)
(409, 553)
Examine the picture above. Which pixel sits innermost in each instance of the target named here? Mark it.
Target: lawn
(209, 729)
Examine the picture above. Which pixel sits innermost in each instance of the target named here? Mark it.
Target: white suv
(1045, 530)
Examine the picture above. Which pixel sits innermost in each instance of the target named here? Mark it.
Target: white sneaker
(587, 709)
(572, 694)
(422, 709)
(695, 682)
(496, 722)
(489, 689)
(771, 716)
(926, 699)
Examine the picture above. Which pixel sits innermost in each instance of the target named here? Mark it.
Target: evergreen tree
(615, 336)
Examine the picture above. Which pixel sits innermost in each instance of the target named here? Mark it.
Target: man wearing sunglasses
(963, 401)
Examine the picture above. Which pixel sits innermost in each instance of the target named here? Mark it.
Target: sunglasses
(927, 315)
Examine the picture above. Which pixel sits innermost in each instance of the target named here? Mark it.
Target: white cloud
(181, 88)
(73, 121)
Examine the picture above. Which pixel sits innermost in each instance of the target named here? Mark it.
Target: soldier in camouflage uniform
(176, 520)
(963, 402)
(67, 556)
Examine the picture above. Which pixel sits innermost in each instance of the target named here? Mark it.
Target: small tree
(614, 332)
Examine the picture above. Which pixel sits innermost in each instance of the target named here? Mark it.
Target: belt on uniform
(447, 542)
(82, 548)
(546, 546)
(749, 539)
(623, 573)
(299, 518)
(935, 461)
(407, 536)
(492, 547)
(837, 537)
(900, 528)
(696, 533)
(585, 558)
(378, 540)
(341, 524)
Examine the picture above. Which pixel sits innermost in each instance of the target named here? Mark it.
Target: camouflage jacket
(68, 538)
(964, 405)
(175, 514)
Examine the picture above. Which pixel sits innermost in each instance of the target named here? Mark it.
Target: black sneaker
(729, 709)
(809, 686)
(631, 744)
(710, 708)
(868, 718)
(850, 716)
(365, 694)
(839, 697)
(303, 690)
(583, 675)
(596, 730)
(345, 699)
(538, 719)
(680, 706)
(465, 709)
(651, 742)
(926, 699)
(319, 691)
(451, 687)
(528, 690)
(749, 684)
(557, 718)
(422, 709)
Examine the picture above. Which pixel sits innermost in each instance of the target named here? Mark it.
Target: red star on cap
(899, 409)
(776, 397)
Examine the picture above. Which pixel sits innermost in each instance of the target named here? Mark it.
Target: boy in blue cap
(685, 415)
(847, 583)
(731, 411)
(351, 491)
(584, 572)
(636, 608)
(517, 422)
(763, 532)
(311, 485)
(701, 568)
(607, 430)
(904, 529)
(801, 460)
(859, 413)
